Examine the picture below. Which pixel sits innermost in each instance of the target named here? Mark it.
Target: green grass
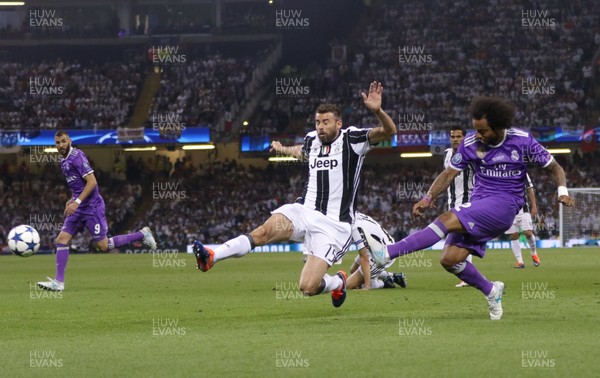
(232, 322)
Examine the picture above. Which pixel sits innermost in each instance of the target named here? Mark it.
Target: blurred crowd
(202, 90)
(67, 95)
(433, 58)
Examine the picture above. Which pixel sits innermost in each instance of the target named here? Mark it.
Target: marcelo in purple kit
(84, 210)
(500, 155)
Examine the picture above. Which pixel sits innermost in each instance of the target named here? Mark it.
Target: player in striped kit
(364, 270)
(461, 187)
(324, 217)
(523, 221)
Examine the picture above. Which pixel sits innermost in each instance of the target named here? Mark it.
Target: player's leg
(325, 242)
(463, 283)
(513, 235)
(62, 257)
(454, 260)
(314, 279)
(276, 229)
(530, 236)
(527, 226)
(355, 280)
(98, 228)
(145, 235)
(436, 231)
(99, 224)
(71, 226)
(387, 279)
(515, 245)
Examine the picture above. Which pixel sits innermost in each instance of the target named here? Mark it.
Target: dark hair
(499, 113)
(60, 133)
(326, 108)
(462, 129)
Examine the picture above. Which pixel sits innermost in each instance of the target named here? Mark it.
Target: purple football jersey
(75, 167)
(501, 169)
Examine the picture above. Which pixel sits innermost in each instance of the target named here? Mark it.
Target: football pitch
(157, 316)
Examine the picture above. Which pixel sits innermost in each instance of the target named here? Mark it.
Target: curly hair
(499, 113)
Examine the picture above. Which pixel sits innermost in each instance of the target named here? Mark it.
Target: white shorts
(323, 237)
(521, 222)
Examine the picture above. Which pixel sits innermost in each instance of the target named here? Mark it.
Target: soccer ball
(23, 240)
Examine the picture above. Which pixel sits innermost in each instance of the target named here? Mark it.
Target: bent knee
(310, 288)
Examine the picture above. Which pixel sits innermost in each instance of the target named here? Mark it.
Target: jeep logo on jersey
(324, 163)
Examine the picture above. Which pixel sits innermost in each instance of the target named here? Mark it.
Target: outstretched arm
(559, 178)
(295, 151)
(386, 128)
(441, 183)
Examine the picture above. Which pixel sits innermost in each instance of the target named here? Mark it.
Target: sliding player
(364, 271)
(324, 218)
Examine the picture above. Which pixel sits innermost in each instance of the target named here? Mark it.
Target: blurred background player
(364, 271)
(84, 210)
(461, 187)
(324, 218)
(523, 221)
(499, 154)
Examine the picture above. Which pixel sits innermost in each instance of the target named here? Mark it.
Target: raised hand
(372, 100)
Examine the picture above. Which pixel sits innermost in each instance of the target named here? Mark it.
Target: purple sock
(62, 256)
(120, 240)
(468, 272)
(419, 240)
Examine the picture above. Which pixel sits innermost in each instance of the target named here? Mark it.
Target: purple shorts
(484, 219)
(92, 218)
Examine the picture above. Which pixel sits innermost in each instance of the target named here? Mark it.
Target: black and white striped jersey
(369, 226)
(334, 172)
(528, 184)
(460, 189)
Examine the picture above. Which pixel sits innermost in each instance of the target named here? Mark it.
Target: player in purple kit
(84, 210)
(500, 155)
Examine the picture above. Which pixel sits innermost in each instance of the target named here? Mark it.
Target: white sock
(384, 274)
(516, 248)
(376, 284)
(331, 283)
(531, 242)
(470, 258)
(237, 247)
